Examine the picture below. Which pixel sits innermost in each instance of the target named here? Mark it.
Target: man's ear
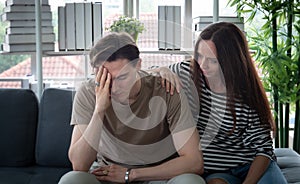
(139, 65)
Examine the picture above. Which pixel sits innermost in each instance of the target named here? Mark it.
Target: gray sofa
(289, 163)
(35, 138)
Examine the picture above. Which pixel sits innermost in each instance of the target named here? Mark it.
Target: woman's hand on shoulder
(169, 79)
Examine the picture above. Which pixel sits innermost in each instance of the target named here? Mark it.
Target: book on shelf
(28, 23)
(28, 30)
(79, 26)
(23, 8)
(209, 19)
(61, 28)
(161, 27)
(23, 2)
(8, 16)
(70, 26)
(27, 38)
(97, 21)
(200, 22)
(177, 27)
(88, 25)
(169, 20)
(169, 29)
(26, 47)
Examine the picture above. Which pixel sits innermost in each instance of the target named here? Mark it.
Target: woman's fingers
(171, 82)
(178, 83)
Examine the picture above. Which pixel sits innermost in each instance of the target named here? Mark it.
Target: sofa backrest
(18, 121)
(54, 129)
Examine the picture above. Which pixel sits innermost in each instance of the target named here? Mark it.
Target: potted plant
(127, 24)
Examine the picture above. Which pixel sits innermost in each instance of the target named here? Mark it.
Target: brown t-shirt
(141, 133)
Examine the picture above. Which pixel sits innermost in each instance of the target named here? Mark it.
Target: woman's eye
(200, 57)
(214, 61)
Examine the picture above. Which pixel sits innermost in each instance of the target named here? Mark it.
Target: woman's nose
(203, 63)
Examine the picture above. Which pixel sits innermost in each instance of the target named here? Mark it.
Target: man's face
(124, 76)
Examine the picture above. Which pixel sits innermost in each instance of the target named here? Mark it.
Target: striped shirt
(222, 149)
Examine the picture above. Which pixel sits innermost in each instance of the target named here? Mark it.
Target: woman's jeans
(272, 175)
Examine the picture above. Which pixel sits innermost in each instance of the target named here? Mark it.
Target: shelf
(188, 52)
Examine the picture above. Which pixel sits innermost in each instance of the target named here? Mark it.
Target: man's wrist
(127, 173)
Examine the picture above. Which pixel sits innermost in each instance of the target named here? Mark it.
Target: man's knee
(78, 177)
(187, 178)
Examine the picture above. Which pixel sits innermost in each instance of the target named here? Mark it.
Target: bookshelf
(142, 51)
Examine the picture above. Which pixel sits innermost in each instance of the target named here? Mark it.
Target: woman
(234, 119)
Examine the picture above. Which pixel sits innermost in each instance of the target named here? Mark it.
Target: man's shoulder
(152, 85)
(86, 87)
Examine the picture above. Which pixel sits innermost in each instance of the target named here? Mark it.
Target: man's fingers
(99, 74)
(103, 78)
(108, 81)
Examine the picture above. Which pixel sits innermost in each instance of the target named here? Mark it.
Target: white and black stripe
(221, 149)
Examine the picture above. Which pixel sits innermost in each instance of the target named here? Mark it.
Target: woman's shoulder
(181, 67)
(186, 64)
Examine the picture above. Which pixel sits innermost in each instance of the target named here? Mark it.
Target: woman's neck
(216, 85)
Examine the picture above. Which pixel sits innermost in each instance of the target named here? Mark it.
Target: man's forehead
(116, 68)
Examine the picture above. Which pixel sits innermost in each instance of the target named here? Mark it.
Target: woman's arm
(258, 136)
(169, 79)
(257, 169)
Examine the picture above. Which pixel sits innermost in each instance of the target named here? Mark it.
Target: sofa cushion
(18, 121)
(31, 175)
(289, 162)
(54, 130)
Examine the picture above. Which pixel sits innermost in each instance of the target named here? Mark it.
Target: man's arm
(190, 160)
(84, 144)
(85, 138)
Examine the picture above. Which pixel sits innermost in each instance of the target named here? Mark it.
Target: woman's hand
(169, 79)
(102, 82)
(113, 173)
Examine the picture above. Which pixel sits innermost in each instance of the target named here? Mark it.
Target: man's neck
(135, 89)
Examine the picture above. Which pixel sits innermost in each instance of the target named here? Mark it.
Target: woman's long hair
(241, 78)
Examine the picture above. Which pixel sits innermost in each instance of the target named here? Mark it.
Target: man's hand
(102, 81)
(113, 173)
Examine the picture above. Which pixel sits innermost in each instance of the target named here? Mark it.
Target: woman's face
(207, 59)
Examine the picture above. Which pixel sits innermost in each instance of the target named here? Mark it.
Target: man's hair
(114, 46)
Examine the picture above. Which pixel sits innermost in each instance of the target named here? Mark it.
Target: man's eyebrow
(122, 75)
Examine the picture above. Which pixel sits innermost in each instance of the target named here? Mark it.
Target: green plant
(130, 25)
(276, 44)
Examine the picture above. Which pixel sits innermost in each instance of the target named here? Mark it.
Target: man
(134, 129)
